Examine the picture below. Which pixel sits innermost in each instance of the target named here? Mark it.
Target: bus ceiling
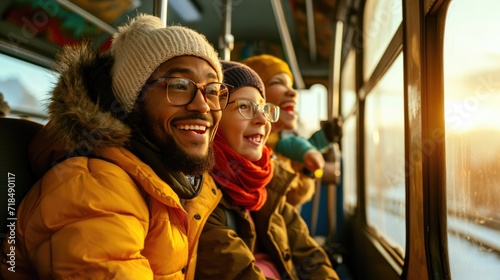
(299, 31)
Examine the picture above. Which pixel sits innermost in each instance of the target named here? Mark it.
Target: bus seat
(16, 175)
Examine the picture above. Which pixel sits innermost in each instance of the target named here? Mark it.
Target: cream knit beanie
(141, 46)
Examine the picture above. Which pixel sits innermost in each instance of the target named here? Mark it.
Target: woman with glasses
(254, 233)
(301, 155)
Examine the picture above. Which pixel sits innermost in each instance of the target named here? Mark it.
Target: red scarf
(243, 181)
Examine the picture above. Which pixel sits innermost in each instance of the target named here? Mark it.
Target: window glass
(384, 157)
(311, 109)
(348, 100)
(348, 84)
(381, 21)
(26, 87)
(472, 114)
(349, 177)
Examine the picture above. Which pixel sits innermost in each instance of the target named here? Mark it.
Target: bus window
(381, 20)
(384, 145)
(26, 87)
(349, 116)
(311, 109)
(472, 99)
(348, 84)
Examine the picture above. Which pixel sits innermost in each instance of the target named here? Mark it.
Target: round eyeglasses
(181, 91)
(248, 110)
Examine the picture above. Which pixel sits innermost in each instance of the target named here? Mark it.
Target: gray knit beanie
(239, 75)
(142, 45)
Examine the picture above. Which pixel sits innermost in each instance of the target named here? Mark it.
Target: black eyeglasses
(181, 91)
(248, 110)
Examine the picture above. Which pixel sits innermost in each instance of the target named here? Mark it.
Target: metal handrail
(279, 15)
(88, 16)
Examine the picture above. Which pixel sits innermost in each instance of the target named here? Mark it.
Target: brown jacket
(229, 238)
(302, 188)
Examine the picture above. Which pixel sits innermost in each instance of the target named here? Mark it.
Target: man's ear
(138, 105)
(135, 116)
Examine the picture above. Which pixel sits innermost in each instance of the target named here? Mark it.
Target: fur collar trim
(83, 111)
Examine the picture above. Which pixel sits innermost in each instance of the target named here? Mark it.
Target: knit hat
(239, 75)
(141, 46)
(267, 66)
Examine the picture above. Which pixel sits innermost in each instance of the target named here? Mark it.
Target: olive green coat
(229, 238)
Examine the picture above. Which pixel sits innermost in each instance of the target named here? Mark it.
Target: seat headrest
(15, 168)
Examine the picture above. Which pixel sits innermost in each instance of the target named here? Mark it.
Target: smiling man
(123, 157)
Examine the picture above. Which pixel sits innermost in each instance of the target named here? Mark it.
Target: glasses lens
(224, 97)
(247, 109)
(180, 91)
(271, 112)
(216, 95)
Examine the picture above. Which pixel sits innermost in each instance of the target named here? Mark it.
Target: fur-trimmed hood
(83, 111)
(84, 115)
(86, 120)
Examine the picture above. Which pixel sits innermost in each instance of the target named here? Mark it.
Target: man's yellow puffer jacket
(104, 216)
(106, 220)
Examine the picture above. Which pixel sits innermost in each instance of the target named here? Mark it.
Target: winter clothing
(277, 231)
(133, 65)
(239, 75)
(253, 233)
(135, 227)
(103, 211)
(294, 147)
(244, 181)
(303, 187)
(267, 66)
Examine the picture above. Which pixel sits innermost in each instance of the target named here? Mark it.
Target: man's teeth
(192, 127)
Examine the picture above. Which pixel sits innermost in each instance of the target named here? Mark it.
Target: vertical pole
(311, 31)
(334, 110)
(279, 15)
(226, 40)
(160, 10)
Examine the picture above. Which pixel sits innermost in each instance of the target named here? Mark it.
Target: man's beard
(172, 155)
(175, 158)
